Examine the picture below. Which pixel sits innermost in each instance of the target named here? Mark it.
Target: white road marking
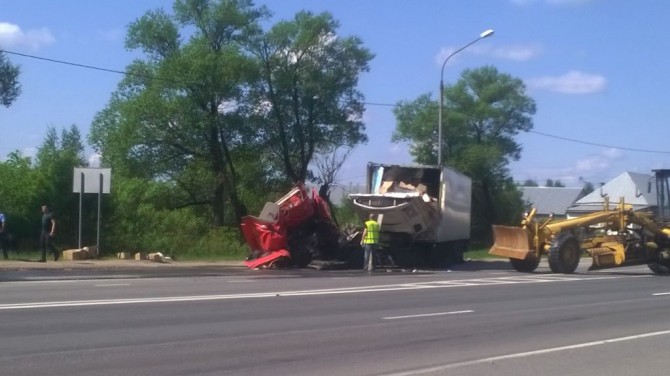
(345, 290)
(661, 293)
(444, 367)
(112, 285)
(36, 282)
(427, 315)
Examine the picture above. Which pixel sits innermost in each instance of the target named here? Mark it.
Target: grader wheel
(564, 254)
(527, 265)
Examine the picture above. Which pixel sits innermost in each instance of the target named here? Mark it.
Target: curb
(109, 264)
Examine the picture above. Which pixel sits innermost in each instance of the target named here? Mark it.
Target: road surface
(477, 319)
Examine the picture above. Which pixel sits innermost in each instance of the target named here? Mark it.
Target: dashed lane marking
(427, 315)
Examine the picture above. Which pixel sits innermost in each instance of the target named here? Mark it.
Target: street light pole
(483, 35)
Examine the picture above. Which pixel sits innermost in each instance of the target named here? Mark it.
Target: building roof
(632, 186)
(548, 200)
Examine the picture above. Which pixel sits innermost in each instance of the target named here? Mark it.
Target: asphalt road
(477, 319)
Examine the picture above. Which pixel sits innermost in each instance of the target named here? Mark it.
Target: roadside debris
(158, 257)
(144, 256)
(80, 254)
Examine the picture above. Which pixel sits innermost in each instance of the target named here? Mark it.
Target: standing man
(3, 236)
(370, 241)
(47, 234)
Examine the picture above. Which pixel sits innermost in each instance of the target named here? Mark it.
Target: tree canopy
(10, 88)
(306, 100)
(483, 112)
(221, 112)
(28, 183)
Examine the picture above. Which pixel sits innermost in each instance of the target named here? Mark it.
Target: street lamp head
(486, 33)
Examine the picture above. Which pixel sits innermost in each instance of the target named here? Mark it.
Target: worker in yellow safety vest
(369, 241)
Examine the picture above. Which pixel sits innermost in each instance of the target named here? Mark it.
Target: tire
(527, 265)
(564, 253)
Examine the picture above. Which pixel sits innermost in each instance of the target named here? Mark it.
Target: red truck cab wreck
(300, 215)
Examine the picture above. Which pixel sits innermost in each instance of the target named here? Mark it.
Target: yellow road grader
(612, 238)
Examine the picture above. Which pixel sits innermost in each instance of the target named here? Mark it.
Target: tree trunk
(218, 204)
(324, 193)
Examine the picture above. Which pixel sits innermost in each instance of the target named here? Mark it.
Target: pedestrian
(370, 240)
(3, 236)
(47, 234)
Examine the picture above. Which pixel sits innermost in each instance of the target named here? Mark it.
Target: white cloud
(597, 163)
(517, 52)
(94, 160)
(594, 163)
(573, 82)
(590, 168)
(443, 54)
(12, 36)
(29, 152)
(613, 153)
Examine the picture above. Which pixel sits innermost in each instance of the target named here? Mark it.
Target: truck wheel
(527, 265)
(564, 254)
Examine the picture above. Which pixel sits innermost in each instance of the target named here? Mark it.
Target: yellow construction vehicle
(613, 237)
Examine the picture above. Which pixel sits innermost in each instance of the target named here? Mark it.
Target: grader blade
(512, 242)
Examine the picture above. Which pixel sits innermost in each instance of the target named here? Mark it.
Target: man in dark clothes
(47, 234)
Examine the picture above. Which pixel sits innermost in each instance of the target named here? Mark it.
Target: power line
(600, 145)
(379, 104)
(65, 62)
(124, 72)
(367, 103)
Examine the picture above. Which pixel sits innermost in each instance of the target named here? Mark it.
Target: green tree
(55, 161)
(553, 183)
(529, 183)
(10, 88)
(173, 118)
(485, 110)
(307, 94)
(18, 198)
(588, 188)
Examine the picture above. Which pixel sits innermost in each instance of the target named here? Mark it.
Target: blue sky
(596, 68)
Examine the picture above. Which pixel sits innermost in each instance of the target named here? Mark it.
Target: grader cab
(612, 237)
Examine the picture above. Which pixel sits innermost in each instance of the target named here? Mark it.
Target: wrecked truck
(423, 212)
(297, 230)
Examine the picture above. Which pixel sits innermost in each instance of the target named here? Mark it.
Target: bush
(218, 244)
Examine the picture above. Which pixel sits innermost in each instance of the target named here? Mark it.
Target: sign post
(91, 180)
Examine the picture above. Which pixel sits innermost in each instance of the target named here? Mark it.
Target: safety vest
(371, 232)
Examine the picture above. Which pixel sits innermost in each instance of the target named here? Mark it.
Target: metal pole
(483, 35)
(97, 239)
(81, 204)
(439, 122)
